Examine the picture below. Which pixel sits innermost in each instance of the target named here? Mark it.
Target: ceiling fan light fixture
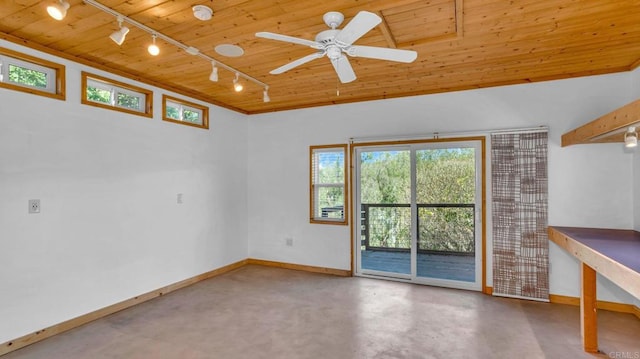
(119, 35)
(202, 12)
(153, 49)
(237, 85)
(58, 9)
(214, 72)
(631, 138)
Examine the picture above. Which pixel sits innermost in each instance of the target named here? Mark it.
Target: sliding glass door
(419, 212)
(385, 203)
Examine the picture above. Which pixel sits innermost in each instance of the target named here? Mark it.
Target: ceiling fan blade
(382, 53)
(358, 26)
(285, 38)
(343, 69)
(296, 63)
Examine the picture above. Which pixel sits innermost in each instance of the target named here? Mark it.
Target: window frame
(315, 187)
(56, 88)
(204, 111)
(120, 87)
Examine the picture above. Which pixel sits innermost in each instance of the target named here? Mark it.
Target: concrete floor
(261, 312)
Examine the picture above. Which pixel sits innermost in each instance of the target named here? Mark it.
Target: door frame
(355, 223)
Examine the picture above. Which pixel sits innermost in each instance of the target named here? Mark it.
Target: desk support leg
(588, 310)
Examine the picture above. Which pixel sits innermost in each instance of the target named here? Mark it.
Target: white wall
(588, 184)
(110, 226)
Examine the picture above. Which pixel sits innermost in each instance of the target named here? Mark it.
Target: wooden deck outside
(440, 266)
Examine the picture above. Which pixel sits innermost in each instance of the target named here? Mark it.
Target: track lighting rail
(188, 49)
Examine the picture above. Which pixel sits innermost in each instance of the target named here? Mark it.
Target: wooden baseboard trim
(575, 301)
(601, 304)
(42, 334)
(563, 299)
(300, 267)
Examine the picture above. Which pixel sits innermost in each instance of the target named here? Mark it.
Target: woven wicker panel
(520, 243)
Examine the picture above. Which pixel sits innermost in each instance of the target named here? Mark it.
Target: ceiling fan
(336, 44)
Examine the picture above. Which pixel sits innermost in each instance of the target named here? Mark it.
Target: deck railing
(442, 227)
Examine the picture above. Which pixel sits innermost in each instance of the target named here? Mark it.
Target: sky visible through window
(372, 156)
(330, 158)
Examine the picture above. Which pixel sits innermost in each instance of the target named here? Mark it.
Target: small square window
(114, 95)
(25, 73)
(184, 112)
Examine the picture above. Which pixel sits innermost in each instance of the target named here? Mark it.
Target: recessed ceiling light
(229, 50)
(202, 12)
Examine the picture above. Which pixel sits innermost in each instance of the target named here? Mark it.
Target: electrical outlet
(34, 206)
(179, 198)
(288, 241)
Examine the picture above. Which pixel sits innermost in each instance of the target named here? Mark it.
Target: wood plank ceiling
(461, 44)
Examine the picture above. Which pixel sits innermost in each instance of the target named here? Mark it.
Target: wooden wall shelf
(606, 129)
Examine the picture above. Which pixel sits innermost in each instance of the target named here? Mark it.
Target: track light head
(58, 9)
(214, 72)
(237, 86)
(118, 36)
(265, 95)
(153, 49)
(631, 138)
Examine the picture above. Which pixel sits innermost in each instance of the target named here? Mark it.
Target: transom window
(328, 184)
(114, 95)
(29, 74)
(184, 112)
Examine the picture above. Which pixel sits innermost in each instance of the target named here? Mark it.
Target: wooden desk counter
(614, 253)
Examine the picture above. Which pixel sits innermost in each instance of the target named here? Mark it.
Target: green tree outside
(29, 77)
(443, 176)
(98, 95)
(128, 101)
(330, 171)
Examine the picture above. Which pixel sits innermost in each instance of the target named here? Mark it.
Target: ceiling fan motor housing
(327, 37)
